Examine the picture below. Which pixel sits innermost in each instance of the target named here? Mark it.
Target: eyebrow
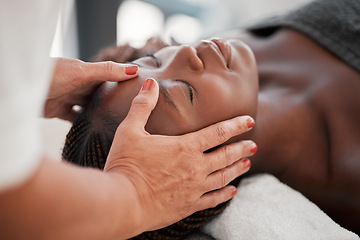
(163, 90)
(134, 64)
(166, 95)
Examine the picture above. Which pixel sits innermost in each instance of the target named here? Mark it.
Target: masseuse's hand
(74, 80)
(171, 176)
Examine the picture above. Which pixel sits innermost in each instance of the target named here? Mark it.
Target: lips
(224, 48)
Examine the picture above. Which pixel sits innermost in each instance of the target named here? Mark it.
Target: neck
(274, 132)
(266, 134)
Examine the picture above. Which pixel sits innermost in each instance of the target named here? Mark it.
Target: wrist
(125, 195)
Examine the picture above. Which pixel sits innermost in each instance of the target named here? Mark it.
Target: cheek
(164, 121)
(215, 103)
(158, 125)
(225, 100)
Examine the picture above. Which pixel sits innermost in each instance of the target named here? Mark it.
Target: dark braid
(88, 144)
(184, 227)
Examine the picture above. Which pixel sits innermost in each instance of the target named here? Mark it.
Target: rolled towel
(265, 208)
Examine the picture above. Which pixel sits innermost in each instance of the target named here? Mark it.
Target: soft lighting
(184, 29)
(138, 21)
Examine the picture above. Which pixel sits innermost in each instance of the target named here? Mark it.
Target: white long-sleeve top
(26, 32)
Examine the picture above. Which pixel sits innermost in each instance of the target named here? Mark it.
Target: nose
(188, 55)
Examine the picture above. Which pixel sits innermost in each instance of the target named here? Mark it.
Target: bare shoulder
(333, 88)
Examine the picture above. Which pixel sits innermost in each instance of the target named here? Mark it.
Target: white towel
(265, 208)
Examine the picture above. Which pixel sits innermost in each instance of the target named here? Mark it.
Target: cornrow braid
(87, 146)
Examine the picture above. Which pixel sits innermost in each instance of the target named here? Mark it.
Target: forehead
(117, 99)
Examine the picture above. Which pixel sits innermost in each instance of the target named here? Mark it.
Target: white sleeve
(27, 29)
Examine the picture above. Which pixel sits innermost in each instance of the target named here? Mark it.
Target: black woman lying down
(299, 82)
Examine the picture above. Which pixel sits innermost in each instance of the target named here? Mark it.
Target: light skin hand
(172, 177)
(149, 182)
(74, 81)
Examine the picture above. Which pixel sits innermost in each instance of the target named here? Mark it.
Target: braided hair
(88, 144)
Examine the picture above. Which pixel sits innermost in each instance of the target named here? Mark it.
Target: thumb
(143, 104)
(110, 71)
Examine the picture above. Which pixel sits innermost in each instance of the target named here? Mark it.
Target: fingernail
(250, 122)
(247, 162)
(253, 148)
(131, 70)
(234, 191)
(148, 84)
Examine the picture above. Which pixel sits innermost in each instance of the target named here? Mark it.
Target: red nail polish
(247, 162)
(234, 191)
(148, 84)
(254, 149)
(250, 122)
(131, 70)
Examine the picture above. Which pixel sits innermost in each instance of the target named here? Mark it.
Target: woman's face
(200, 85)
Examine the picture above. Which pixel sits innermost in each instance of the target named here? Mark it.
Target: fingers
(110, 71)
(212, 199)
(143, 104)
(219, 192)
(228, 154)
(223, 177)
(219, 133)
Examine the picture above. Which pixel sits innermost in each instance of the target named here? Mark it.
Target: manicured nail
(250, 122)
(234, 191)
(247, 162)
(148, 84)
(131, 70)
(253, 148)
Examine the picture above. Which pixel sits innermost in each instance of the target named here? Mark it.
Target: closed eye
(191, 91)
(157, 61)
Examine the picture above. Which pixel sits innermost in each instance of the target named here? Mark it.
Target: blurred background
(87, 26)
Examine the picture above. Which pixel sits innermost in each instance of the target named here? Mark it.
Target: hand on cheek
(171, 176)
